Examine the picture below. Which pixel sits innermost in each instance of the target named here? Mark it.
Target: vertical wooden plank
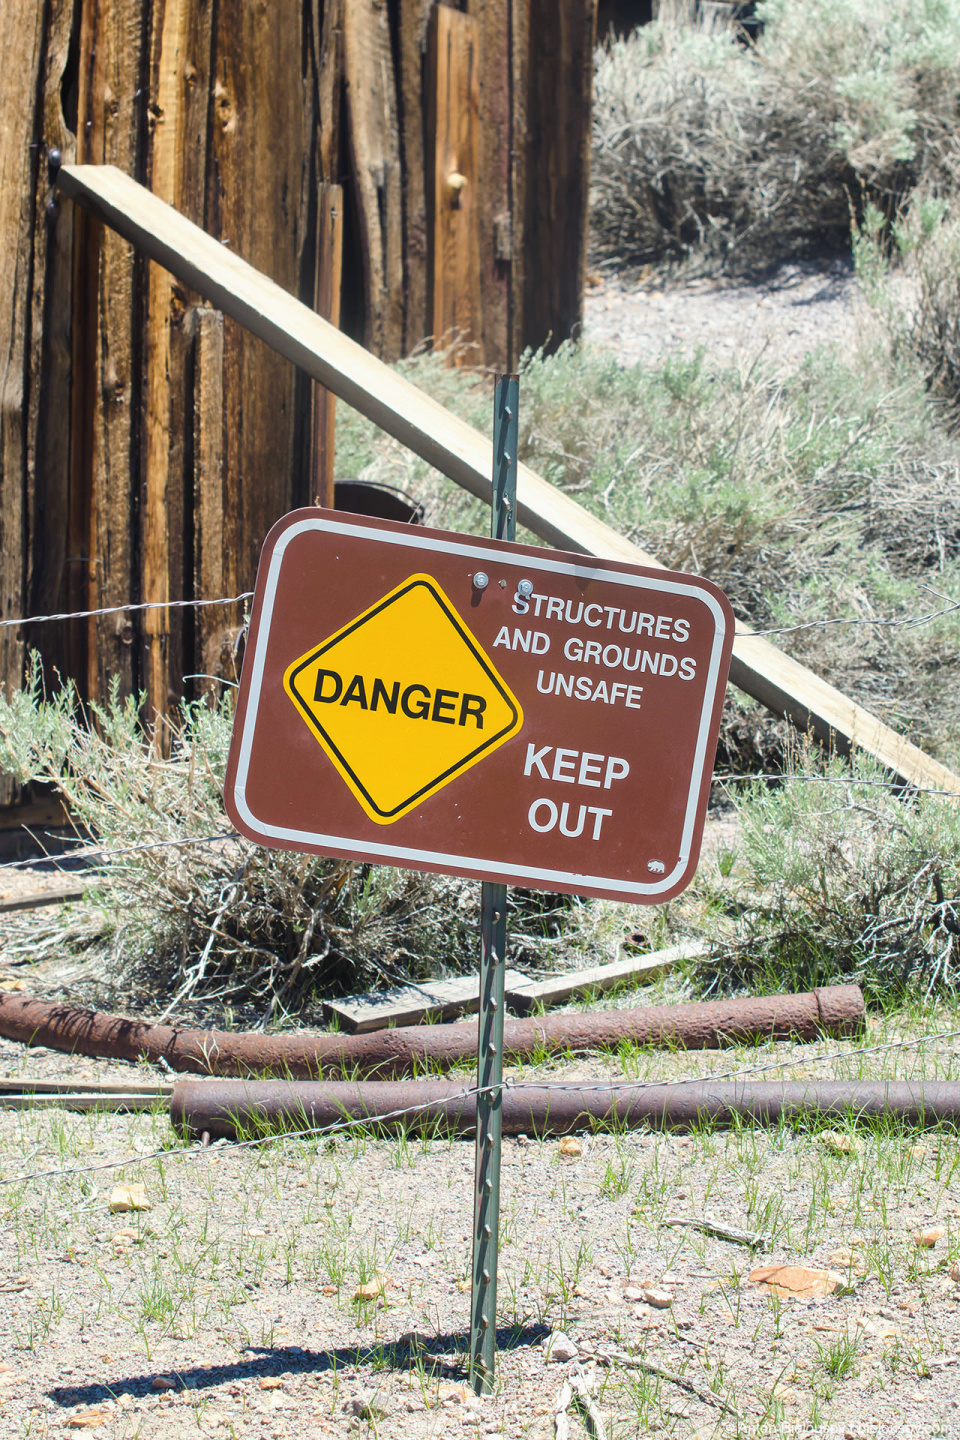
(105, 400)
(330, 92)
(256, 180)
(327, 304)
(495, 199)
(21, 41)
(48, 466)
(559, 95)
(456, 293)
(519, 76)
(375, 163)
(329, 258)
(160, 528)
(213, 624)
(176, 91)
(414, 18)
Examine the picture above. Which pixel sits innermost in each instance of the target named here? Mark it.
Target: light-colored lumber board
(156, 1090)
(456, 292)
(79, 1100)
(410, 1004)
(455, 448)
(635, 970)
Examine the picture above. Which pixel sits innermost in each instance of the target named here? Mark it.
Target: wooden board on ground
(410, 1004)
(79, 1100)
(460, 452)
(34, 899)
(634, 970)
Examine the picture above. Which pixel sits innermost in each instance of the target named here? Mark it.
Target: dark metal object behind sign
(409, 1050)
(224, 1107)
(364, 497)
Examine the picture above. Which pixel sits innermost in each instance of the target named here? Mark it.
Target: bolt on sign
(440, 702)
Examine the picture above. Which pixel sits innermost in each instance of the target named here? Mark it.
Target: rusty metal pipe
(837, 1010)
(246, 1108)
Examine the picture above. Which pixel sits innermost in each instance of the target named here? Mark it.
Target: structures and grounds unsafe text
(439, 702)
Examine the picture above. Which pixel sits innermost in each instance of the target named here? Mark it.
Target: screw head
(480, 581)
(54, 159)
(525, 587)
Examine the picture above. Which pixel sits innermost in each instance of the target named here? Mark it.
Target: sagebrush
(751, 153)
(189, 909)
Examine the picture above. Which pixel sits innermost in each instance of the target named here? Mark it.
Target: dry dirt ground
(232, 1305)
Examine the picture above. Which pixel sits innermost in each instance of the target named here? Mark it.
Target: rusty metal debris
(836, 1010)
(253, 1107)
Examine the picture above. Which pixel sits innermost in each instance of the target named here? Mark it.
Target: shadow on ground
(295, 1360)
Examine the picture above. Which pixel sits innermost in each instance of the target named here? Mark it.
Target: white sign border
(395, 854)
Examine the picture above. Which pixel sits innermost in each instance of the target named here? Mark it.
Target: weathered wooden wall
(147, 445)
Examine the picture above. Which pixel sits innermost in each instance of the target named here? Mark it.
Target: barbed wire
(902, 785)
(470, 1091)
(120, 609)
(173, 1152)
(81, 853)
(911, 621)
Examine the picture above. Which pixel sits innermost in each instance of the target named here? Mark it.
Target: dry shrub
(746, 154)
(835, 878)
(185, 909)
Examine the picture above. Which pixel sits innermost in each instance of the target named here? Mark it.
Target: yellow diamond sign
(403, 699)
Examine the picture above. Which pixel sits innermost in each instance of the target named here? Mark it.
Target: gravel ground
(782, 317)
(232, 1306)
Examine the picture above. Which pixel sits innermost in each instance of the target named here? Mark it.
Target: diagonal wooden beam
(455, 448)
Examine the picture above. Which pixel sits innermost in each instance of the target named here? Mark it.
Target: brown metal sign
(440, 702)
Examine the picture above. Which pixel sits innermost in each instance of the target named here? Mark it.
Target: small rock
(840, 1144)
(879, 1329)
(329, 1289)
(87, 1420)
(926, 1239)
(162, 1382)
(455, 1394)
(851, 1259)
(128, 1197)
(797, 1280)
(270, 1382)
(659, 1299)
(367, 1407)
(372, 1289)
(571, 1147)
(558, 1348)
(633, 1292)
(918, 1152)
